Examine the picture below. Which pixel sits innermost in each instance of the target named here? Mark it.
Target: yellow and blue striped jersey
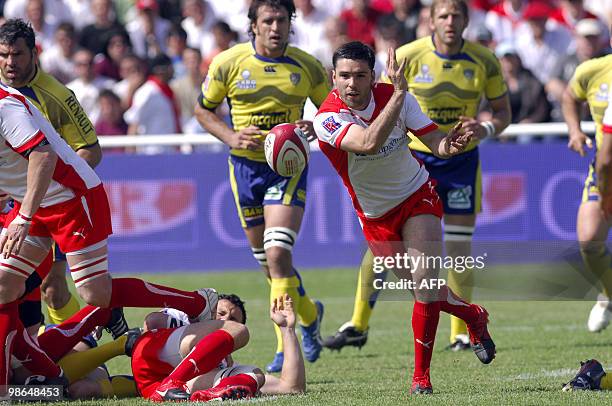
(263, 91)
(591, 82)
(448, 87)
(59, 105)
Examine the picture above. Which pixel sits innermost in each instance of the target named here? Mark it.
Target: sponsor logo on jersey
(246, 82)
(460, 198)
(275, 192)
(266, 121)
(269, 69)
(295, 78)
(79, 115)
(469, 74)
(424, 76)
(447, 66)
(331, 125)
(250, 213)
(445, 115)
(602, 94)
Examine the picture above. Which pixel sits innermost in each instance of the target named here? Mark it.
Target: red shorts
(147, 368)
(74, 224)
(381, 231)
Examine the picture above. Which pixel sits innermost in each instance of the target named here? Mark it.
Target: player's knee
(590, 248)
(85, 389)
(278, 245)
(12, 286)
(96, 292)
(238, 331)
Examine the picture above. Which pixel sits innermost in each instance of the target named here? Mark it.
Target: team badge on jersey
(469, 74)
(331, 125)
(295, 78)
(424, 76)
(269, 69)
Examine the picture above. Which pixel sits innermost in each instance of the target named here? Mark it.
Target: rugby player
(363, 129)
(266, 82)
(591, 83)
(193, 362)
(19, 69)
(59, 197)
(448, 77)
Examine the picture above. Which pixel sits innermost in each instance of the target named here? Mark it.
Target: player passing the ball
(363, 128)
(267, 82)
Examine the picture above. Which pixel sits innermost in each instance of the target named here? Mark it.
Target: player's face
(17, 63)
(271, 30)
(354, 80)
(448, 24)
(226, 310)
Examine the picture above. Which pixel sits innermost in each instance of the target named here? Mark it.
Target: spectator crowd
(134, 66)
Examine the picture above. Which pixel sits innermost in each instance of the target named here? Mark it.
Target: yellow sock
(78, 364)
(366, 295)
(606, 382)
(278, 287)
(123, 386)
(307, 311)
(599, 264)
(57, 316)
(462, 284)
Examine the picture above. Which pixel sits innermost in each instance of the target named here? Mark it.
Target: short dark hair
(177, 31)
(460, 4)
(236, 301)
(16, 28)
(107, 93)
(276, 4)
(357, 51)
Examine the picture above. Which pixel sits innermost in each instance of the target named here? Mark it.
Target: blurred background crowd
(105, 50)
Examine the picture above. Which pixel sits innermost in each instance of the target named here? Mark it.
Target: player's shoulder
(312, 65)
(482, 56)
(594, 65)
(415, 48)
(332, 103)
(232, 56)
(50, 87)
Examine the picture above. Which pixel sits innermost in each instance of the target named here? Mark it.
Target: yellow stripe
(478, 191)
(288, 196)
(589, 190)
(234, 186)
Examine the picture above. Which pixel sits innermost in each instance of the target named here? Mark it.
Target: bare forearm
(214, 124)
(40, 172)
(293, 374)
(501, 119)
(377, 133)
(571, 112)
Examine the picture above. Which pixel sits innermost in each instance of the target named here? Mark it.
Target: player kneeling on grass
(193, 362)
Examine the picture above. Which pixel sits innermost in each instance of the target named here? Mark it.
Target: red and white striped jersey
(376, 183)
(22, 128)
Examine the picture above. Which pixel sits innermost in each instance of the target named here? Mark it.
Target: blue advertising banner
(177, 212)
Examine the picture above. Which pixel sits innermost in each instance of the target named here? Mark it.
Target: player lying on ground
(192, 362)
(363, 130)
(59, 197)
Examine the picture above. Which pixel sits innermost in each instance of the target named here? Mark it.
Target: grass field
(539, 345)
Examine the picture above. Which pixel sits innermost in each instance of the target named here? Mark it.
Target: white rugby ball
(287, 150)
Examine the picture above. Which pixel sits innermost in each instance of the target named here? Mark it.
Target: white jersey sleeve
(331, 127)
(414, 119)
(18, 126)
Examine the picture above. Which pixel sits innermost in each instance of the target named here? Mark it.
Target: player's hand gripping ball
(287, 150)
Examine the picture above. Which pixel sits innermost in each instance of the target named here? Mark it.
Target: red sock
(206, 355)
(32, 357)
(425, 318)
(453, 304)
(58, 341)
(9, 315)
(132, 292)
(240, 379)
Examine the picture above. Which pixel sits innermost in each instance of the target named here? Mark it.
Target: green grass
(539, 346)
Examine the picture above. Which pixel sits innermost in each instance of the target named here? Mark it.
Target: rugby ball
(287, 150)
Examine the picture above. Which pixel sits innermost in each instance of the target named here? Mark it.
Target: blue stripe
(28, 92)
(461, 56)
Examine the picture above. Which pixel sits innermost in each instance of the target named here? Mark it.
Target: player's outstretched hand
(577, 141)
(457, 139)
(307, 128)
(282, 313)
(15, 235)
(395, 72)
(248, 138)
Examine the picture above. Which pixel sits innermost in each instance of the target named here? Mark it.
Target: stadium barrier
(176, 211)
